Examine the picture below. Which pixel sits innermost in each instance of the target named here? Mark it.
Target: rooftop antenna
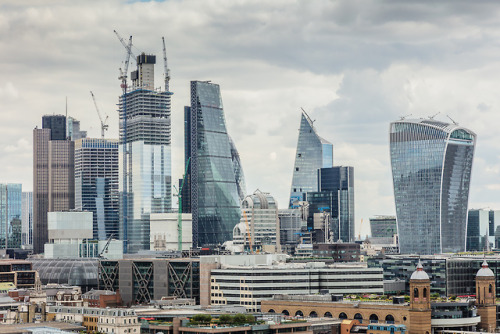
(402, 118)
(432, 117)
(452, 119)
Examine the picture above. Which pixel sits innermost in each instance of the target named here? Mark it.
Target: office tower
(259, 227)
(215, 203)
(336, 197)
(96, 184)
(10, 215)
(291, 222)
(53, 175)
(313, 153)
(27, 217)
(145, 155)
(73, 129)
(57, 126)
(383, 226)
(431, 166)
(482, 229)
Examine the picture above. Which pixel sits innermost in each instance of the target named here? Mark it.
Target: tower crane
(165, 67)
(179, 217)
(104, 126)
(127, 47)
(123, 78)
(249, 234)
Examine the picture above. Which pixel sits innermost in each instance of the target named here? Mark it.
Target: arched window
(389, 319)
(328, 315)
(490, 289)
(285, 312)
(359, 317)
(415, 293)
(313, 314)
(299, 313)
(425, 293)
(271, 311)
(342, 316)
(373, 318)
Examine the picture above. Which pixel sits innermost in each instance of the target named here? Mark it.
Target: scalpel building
(431, 167)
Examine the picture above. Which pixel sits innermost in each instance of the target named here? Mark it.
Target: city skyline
(370, 65)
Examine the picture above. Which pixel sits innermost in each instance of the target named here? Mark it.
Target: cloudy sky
(354, 65)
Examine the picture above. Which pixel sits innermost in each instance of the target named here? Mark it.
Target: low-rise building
(339, 251)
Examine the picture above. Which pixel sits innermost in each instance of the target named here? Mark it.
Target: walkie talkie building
(431, 167)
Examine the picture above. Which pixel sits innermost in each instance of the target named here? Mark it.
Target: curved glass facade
(431, 166)
(313, 153)
(215, 202)
(238, 171)
(80, 272)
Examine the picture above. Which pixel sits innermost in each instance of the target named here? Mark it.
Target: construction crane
(123, 78)
(165, 69)
(127, 47)
(106, 246)
(179, 218)
(104, 126)
(249, 235)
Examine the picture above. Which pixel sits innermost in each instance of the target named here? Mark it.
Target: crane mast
(123, 78)
(165, 67)
(104, 126)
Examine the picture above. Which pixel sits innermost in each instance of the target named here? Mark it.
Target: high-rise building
(96, 183)
(482, 229)
(27, 218)
(383, 226)
(259, 227)
(10, 215)
(291, 222)
(73, 129)
(313, 153)
(53, 175)
(431, 166)
(336, 197)
(215, 202)
(145, 155)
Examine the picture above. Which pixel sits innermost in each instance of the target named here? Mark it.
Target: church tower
(486, 298)
(420, 302)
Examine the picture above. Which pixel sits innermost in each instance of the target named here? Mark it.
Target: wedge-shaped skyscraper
(431, 167)
(215, 202)
(313, 153)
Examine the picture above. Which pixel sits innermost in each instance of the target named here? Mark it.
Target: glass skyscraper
(27, 218)
(313, 153)
(96, 183)
(10, 215)
(215, 201)
(431, 167)
(144, 155)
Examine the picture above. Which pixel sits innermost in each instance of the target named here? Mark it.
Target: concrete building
(144, 279)
(383, 226)
(96, 184)
(164, 231)
(259, 228)
(27, 219)
(420, 315)
(246, 280)
(53, 175)
(339, 251)
(291, 222)
(145, 155)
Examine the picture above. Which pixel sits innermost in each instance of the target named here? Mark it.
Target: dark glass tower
(313, 153)
(431, 167)
(215, 203)
(57, 126)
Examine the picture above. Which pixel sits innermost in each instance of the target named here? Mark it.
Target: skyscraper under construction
(145, 154)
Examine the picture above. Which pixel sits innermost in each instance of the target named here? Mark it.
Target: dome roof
(419, 273)
(485, 271)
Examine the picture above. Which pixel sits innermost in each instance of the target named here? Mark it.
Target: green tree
(239, 319)
(202, 318)
(225, 319)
